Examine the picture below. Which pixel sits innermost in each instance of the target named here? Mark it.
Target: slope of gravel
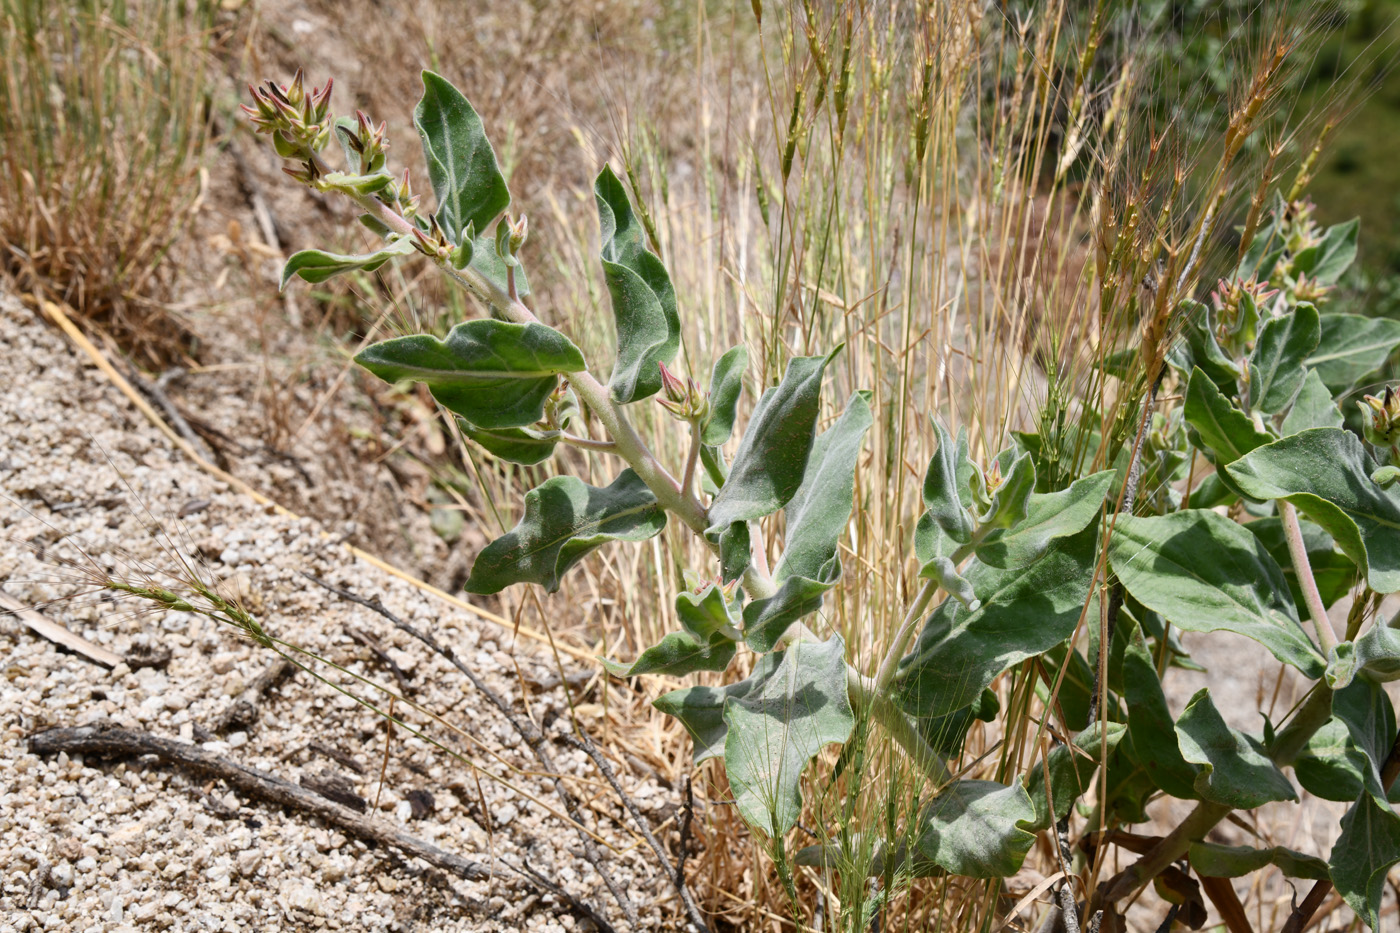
(97, 845)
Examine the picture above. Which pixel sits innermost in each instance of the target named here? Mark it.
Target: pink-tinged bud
(671, 385)
(1381, 423)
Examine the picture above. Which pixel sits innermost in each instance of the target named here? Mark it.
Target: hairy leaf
(1234, 770)
(1284, 343)
(1198, 347)
(643, 300)
(1352, 347)
(1364, 854)
(701, 709)
(779, 727)
(1330, 765)
(1051, 516)
(772, 458)
(1213, 860)
(818, 512)
(1226, 432)
(946, 494)
(1325, 262)
(1202, 572)
(314, 265)
(976, 829)
(1023, 613)
(1151, 729)
(1326, 473)
(678, 654)
(462, 167)
(494, 374)
(1071, 770)
(565, 519)
(726, 384)
(765, 620)
(1313, 408)
(518, 445)
(1011, 500)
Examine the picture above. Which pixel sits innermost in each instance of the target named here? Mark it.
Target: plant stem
(1311, 716)
(627, 443)
(890, 665)
(881, 708)
(1326, 636)
(587, 443)
(692, 458)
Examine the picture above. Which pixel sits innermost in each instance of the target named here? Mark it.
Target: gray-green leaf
(1363, 855)
(1313, 408)
(818, 512)
(726, 384)
(775, 730)
(1202, 572)
(462, 167)
(493, 373)
(1284, 343)
(1151, 729)
(772, 457)
(1226, 432)
(315, 265)
(701, 709)
(1051, 516)
(976, 829)
(678, 654)
(1213, 860)
(1023, 613)
(1352, 347)
(1234, 770)
(1326, 473)
(564, 520)
(643, 300)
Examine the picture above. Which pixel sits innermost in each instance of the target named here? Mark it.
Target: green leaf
(1325, 262)
(726, 384)
(735, 552)
(1332, 570)
(518, 445)
(1011, 500)
(1071, 769)
(1151, 729)
(643, 300)
(704, 613)
(701, 709)
(1284, 343)
(1219, 861)
(1363, 855)
(565, 519)
(1202, 572)
(1326, 473)
(1023, 613)
(775, 730)
(1234, 770)
(976, 829)
(772, 458)
(494, 374)
(486, 261)
(946, 493)
(1330, 765)
(462, 167)
(817, 514)
(679, 653)
(314, 265)
(765, 620)
(946, 734)
(1378, 653)
(1226, 432)
(1352, 347)
(1051, 516)
(1198, 348)
(1313, 408)
(1364, 708)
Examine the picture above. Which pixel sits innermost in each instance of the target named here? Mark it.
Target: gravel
(86, 482)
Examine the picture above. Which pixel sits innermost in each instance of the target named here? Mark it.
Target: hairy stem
(1326, 636)
(890, 665)
(691, 459)
(865, 698)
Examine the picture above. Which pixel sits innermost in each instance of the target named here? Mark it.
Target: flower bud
(1381, 423)
(683, 399)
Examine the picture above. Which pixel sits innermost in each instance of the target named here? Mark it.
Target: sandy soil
(96, 845)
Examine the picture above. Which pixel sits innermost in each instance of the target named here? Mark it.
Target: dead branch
(527, 730)
(104, 741)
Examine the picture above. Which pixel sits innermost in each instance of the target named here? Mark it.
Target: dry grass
(103, 121)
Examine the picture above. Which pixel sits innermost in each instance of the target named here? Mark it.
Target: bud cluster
(1237, 306)
(1381, 418)
(683, 399)
(297, 120)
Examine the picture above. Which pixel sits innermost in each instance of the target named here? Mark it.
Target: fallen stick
(42, 625)
(105, 741)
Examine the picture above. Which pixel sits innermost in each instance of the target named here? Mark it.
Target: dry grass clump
(104, 114)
